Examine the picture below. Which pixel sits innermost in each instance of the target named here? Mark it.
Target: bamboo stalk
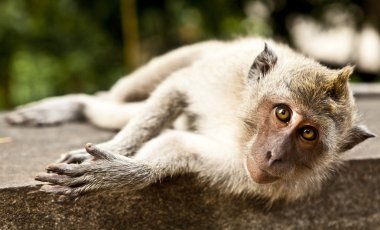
(131, 44)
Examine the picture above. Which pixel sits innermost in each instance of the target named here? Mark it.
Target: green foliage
(56, 47)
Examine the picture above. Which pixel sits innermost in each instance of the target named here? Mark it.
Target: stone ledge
(349, 200)
(366, 89)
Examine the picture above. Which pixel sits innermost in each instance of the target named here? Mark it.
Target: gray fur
(263, 63)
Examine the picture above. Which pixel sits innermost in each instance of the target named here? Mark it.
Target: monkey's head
(301, 116)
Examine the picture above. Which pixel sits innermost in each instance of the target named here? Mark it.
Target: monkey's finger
(56, 189)
(52, 178)
(99, 153)
(66, 169)
(61, 179)
(66, 193)
(63, 158)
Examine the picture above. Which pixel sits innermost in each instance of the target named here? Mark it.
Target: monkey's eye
(283, 113)
(308, 133)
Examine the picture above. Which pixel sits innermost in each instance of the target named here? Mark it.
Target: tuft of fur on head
(323, 95)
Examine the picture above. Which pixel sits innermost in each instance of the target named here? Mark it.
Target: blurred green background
(50, 47)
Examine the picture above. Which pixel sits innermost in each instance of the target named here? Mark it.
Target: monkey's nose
(273, 158)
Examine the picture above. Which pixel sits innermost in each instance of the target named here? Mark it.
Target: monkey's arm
(169, 154)
(154, 115)
(160, 110)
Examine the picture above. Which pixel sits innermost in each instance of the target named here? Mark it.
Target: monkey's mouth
(258, 175)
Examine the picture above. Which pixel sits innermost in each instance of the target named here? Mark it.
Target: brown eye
(308, 133)
(283, 113)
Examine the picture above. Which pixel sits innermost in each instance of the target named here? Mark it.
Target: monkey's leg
(172, 153)
(101, 112)
(48, 111)
(139, 84)
(136, 86)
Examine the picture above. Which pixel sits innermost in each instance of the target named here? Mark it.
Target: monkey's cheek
(259, 176)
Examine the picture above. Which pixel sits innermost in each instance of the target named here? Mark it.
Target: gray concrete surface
(366, 89)
(349, 200)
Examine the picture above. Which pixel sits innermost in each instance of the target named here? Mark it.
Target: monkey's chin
(259, 176)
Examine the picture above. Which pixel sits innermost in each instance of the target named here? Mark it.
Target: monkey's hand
(105, 171)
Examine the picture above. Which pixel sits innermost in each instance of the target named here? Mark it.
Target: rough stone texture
(350, 200)
(31, 149)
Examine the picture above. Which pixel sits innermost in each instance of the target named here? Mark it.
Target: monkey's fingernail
(89, 146)
(37, 176)
(49, 167)
(42, 176)
(45, 188)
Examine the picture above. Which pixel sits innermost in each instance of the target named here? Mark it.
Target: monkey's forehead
(310, 91)
(307, 78)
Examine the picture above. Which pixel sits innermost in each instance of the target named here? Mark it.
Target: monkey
(248, 116)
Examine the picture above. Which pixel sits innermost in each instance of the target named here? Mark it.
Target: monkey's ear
(339, 87)
(356, 135)
(263, 63)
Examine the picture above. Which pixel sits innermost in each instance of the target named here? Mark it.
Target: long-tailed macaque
(249, 116)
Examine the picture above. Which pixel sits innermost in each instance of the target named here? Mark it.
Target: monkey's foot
(106, 171)
(50, 111)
